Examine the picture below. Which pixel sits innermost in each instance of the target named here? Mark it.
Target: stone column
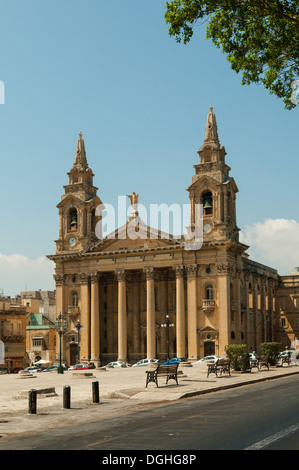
(84, 317)
(110, 323)
(95, 320)
(122, 315)
(150, 313)
(163, 310)
(192, 311)
(180, 311)
(136, 313)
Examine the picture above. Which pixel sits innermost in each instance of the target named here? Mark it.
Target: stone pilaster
(83, 279)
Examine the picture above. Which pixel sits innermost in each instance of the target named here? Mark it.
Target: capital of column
(94, 277)
(83, 278)
(179, 270)
(191, 270)
(59, 279)
(120, 274)
(149, 273)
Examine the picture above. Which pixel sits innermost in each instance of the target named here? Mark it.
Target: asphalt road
(262, 416)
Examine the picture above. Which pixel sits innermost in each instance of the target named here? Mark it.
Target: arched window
(207, 201)
(232, 335)
(73, 219)
(209, 292)
(75, 299)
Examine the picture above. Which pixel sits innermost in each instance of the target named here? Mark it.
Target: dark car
(55, 367)
(175, 360)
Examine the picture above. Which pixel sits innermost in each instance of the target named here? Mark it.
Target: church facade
(125, 289)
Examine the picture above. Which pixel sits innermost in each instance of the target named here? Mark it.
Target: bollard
(67, 397)
(95, 392)
(32, 402)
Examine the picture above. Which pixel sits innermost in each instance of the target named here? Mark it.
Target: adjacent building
(13, 334)
(287, 308)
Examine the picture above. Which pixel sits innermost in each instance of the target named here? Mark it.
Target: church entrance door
(73, 354)
(209, 348)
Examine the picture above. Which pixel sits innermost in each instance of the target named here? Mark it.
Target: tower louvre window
(73, 219)
(207, 200)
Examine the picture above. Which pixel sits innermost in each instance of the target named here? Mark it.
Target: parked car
(35, 368)
(116, 364)
(207, 359)
(175, 360)
(52, 368)
(90, 364)
(55, 367)
(145, 362)
(82, 366)
(16, 370)
(286, 353)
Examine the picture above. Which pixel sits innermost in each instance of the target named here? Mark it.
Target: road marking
(269, 440)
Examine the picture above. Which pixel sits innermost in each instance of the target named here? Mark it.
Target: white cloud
(19, 273)
(274, 242)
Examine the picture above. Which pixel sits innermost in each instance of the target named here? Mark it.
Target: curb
(235, 385)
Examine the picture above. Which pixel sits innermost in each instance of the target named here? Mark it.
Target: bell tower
(214, 188)
(77, 219)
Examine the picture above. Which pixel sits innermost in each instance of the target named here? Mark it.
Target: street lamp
(79, 327)
(167, 325)
(60, 327)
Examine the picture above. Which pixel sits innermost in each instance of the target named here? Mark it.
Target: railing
(73, 312)
(208, 305)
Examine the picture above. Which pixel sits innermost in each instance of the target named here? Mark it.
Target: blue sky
(110, 70)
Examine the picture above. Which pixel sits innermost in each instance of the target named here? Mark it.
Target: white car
(207, 360)
(288, 352)
(145, 362)
(116, 364)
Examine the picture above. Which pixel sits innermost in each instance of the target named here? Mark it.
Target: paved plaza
(121, 390)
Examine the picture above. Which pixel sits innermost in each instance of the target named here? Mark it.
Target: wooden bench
(254, 363)
(170, 371)
(221, 365)
(284, 360)
(264, 361)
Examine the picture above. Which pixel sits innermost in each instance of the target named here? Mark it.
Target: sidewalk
(121, 391)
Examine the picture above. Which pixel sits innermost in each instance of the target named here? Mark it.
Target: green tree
(238, 355)
(271, 350)
(260, 37)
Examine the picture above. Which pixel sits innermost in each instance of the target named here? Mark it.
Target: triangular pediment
(134, 235)
(204, 181)
(73, 199)
(208, 329)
